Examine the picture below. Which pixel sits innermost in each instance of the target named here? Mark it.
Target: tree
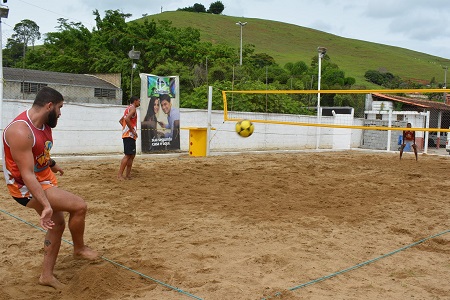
(374, 77)
(261, 60)
(13, 53)
(216, 8)
(296, 69)
(66, 50)
(200, 8)
(385, 79)
(25, 32)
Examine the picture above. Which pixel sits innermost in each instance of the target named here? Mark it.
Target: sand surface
(250, 226)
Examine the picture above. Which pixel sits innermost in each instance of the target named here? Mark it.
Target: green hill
(292, 43)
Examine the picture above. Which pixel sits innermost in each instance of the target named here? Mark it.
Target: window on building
(400, 117)
(31, 87)
(379, 117)
(105, 93)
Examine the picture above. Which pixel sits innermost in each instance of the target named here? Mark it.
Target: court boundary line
(111, 261)
(320, 279)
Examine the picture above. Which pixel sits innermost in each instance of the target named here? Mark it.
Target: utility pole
(242, 24)
(445, 83)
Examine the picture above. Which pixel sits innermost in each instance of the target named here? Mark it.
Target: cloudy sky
(413, 24)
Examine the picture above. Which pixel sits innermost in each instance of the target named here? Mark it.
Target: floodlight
(4, 10)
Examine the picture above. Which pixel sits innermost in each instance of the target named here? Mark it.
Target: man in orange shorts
(409, 137)
(30, 177)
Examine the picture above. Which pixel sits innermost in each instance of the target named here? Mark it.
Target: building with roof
(397, 111)
(439, 111)
(23, 84)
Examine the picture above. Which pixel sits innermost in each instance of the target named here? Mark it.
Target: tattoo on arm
(47, 243)
(30, 136)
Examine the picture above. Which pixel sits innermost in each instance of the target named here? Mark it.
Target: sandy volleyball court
(248, 226)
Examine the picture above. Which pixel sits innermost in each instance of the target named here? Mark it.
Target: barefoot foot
(86, 253)
(53, 282)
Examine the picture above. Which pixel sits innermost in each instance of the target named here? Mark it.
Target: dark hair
(151, 110)
(164, 97)
(46, 95)
(134, 98)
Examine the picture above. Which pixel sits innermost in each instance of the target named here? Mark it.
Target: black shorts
(23, 201)
(129, 146)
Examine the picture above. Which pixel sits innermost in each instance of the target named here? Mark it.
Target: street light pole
(242, 24)
(322, 51)
(133, 66)
(445, 77)
(445, 83)
(4, 10)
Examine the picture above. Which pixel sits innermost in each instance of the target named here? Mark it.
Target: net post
(318, 129)
(225, 106)
(427, 125)
(388, 146)
(208, 125)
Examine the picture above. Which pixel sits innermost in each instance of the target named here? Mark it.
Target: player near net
(409, 138)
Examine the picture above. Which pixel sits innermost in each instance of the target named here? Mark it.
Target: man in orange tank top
(29, 174)
(409, 137)
(129, 136)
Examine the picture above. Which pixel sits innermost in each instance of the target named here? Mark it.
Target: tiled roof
(36, 76)
(414, 101)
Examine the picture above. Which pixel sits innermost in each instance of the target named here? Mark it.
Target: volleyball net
(376, 116)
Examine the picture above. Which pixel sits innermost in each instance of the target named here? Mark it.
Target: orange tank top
(409, 135)
(126, 131)
(43, 142)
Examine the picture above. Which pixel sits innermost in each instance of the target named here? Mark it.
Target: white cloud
(413, 24)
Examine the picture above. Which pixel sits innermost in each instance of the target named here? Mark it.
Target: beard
(52, 119)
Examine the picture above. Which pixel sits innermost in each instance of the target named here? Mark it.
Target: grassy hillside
(291, 43)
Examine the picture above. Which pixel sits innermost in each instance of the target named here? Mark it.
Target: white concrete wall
(94, 129)
(265, 136)
(81, 129)
(342, 137)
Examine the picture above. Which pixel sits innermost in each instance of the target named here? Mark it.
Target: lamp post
(445, 76)
(445, 83)
(133, 55)
(4, 10)
(242, 24)
(322, 51)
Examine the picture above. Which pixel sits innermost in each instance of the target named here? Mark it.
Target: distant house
(415, 109)
(439, 111)
(23, 84)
